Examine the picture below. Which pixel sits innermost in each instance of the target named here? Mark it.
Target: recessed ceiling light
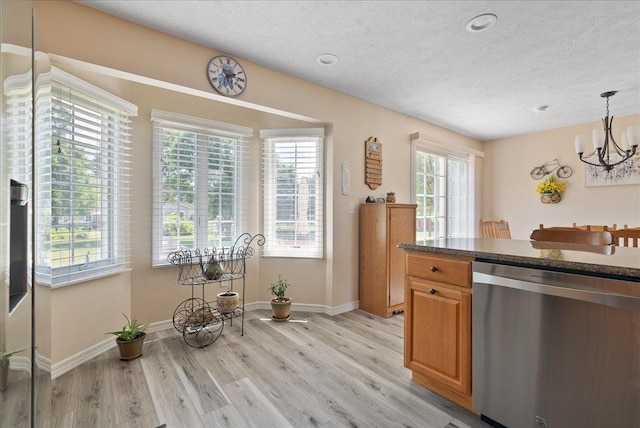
(540, 109)
(327, 59)
(481, 22)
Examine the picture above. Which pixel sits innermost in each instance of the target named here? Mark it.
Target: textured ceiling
(418, 59)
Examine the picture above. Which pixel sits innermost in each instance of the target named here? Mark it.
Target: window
(199, 170)
(441, 183)
(83, 183)
(293, 192)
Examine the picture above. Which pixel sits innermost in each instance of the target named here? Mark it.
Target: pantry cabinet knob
(432, 290)
(434, 269)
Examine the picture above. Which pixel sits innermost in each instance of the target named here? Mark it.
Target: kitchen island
(606, 261)
(526, 333)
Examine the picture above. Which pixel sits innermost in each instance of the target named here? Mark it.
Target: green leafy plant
(278, 288)
(131, 330)
(5, 357)
(551, 185)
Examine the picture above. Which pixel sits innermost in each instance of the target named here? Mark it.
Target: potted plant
(200, 316)
(130, 339)
(227, 301)
(550, 190)
(280, 305)
(213, 270)
(5, 359)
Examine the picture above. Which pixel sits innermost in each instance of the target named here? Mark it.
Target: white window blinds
(17, 126)
(83, 183)
(200, 170)
(293, 192)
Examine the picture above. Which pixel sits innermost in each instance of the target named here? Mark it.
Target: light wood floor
(322, 371)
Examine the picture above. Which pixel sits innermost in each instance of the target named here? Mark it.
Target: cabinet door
(401, 228)
(440, 334)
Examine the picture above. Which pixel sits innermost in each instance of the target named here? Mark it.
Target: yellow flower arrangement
(551, 185)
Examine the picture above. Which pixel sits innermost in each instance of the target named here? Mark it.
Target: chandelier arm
(601, 164)
(619, 150)
(584, 159)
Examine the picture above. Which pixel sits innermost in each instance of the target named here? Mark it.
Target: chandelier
(609, 152)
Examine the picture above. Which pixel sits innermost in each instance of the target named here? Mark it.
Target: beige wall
(75, 31)
(509, 191)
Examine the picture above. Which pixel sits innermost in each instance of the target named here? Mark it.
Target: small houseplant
(213, 270)
(227, 301)
(130, 339)
(550, 190)
(5, 359)
(280, 305)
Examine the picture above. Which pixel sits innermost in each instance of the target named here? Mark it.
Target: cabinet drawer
(447, 269)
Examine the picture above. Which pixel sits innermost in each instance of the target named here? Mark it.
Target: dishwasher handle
(630, 303)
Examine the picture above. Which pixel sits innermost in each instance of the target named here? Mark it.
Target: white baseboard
(81, 357)
(98, 349)
(20, 363)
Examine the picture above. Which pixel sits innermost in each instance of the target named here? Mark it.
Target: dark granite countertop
(605, 261)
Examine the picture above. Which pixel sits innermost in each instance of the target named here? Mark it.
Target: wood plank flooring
(315, 371)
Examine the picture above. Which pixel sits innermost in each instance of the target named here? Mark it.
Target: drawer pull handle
(434, 269)
(432, 290)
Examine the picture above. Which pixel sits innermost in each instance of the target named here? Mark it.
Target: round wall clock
(227, 76)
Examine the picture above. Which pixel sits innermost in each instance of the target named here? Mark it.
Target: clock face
(227, 76)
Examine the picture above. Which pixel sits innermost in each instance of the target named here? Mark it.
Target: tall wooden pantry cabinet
(382, 228)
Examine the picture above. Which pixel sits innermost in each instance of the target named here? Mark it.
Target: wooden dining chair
(629, 237)
(595, 227)
(495, 229)
(573, 236)
(542, 226)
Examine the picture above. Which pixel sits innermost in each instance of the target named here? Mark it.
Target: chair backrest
(486, 229)
(595, 227)
(629, 237)
(542, 226)
(495, 229)
(502, 230)
(573, 235)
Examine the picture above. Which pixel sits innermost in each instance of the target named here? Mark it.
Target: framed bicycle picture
(627, 172)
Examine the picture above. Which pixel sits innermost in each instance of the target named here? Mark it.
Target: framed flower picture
(627, 172)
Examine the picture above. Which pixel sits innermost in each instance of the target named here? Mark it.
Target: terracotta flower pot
(131, 349)
(281, 310)
(227, 304)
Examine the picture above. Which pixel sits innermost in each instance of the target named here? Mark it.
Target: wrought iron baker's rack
(200, 322)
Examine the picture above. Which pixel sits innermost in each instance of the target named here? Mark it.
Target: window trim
(432, 145)
(203, 128)
(74, 274)
(271, 249)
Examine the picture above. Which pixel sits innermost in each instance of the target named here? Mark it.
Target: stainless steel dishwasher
(553, 349)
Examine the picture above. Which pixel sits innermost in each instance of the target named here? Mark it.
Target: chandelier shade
(609, 152)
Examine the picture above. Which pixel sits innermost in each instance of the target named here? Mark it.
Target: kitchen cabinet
(382, 228)
(437, 345)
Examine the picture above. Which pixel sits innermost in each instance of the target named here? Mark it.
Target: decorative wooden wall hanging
(373, 162)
